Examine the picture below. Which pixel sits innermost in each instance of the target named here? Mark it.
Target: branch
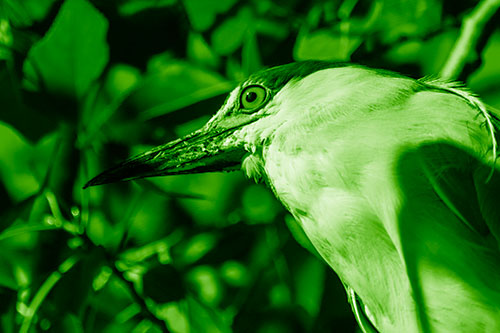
(129, 286)
(470, 33)
(139, 300)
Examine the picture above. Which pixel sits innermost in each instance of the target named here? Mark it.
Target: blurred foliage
(86, 83)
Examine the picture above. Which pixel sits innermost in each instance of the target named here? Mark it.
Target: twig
(470, 33)
(131, 288)
(44, 290)
(139, 300)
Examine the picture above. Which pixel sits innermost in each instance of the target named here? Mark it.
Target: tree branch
(139, 300)
(470, 33)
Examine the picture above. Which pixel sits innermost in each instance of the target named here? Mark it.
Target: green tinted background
(86, 83)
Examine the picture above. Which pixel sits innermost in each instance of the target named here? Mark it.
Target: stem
(470, 33)
(44, 290)
(139, 300)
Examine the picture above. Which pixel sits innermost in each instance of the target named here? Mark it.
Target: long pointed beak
(202, 151)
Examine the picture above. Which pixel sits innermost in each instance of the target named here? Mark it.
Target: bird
(393, 179)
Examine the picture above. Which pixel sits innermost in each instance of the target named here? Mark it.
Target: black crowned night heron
(392, 179)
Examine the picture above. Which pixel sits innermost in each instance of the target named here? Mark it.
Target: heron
(393, 180)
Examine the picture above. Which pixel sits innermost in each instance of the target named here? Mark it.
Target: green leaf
(15, 169)
(102, 101)
(300, 236)
(325, 45)
(216, 188)
(72, 54)
(77, 275)
(175, 316)
(397, 19)
(44, 155)
(7, 266)
(195, 248)
(44, 290)
(229, 36)
(201, 13)
(205, 319)
(235, 273)
(14, 109)
(271, 28)
(132, 7)
(102, 233)
(21, 210)
(174, 84)
(22, 228)
(26, 12)
(72, 323)
(6, 39)
(163, 284)
(205, 283)
(309, 285)
(259, 205)
(436, 51)
(487, 75)
(200, 52)
(9, 310)
(250, 54)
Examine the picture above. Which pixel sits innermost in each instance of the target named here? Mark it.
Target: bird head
(246, 122)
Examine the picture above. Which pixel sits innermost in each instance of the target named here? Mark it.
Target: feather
(382, 172)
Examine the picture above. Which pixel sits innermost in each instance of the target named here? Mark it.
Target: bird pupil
(251, 96)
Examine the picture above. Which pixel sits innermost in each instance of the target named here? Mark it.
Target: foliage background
(86, 83)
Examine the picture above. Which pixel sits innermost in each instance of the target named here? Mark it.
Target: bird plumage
(389, 177)
(335, 160)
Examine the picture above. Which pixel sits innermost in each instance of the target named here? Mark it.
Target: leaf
(202, 13)
(259, 205)
(163, 284)
(435, 51)
(300, 236)
(20, 229)
(19, 211)
(77, 276)
(46, 288)
(8, 309)
(6, 38)
(250, 54)
(7, 267)
(325, 45)
(309, 285)
(26, 12)
(486, 75)
(102, 101)
(235, 273)
(174, 84)
(229, 36)
(271, 28)
(200, 52)
(148, 184)
(174, 315)
(217, 188)
(72, 323)
(204, 282)
(205, 319)
(195, 248)
(72, 54)
(15, 170)
(32, 122)
(132, 7)
(394, 20)
(102, 233)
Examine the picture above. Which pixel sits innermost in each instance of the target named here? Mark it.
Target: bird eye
(253, 97)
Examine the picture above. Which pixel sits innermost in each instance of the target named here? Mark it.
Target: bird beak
(202, 151)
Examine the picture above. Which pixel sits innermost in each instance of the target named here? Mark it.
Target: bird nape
(394, 181)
